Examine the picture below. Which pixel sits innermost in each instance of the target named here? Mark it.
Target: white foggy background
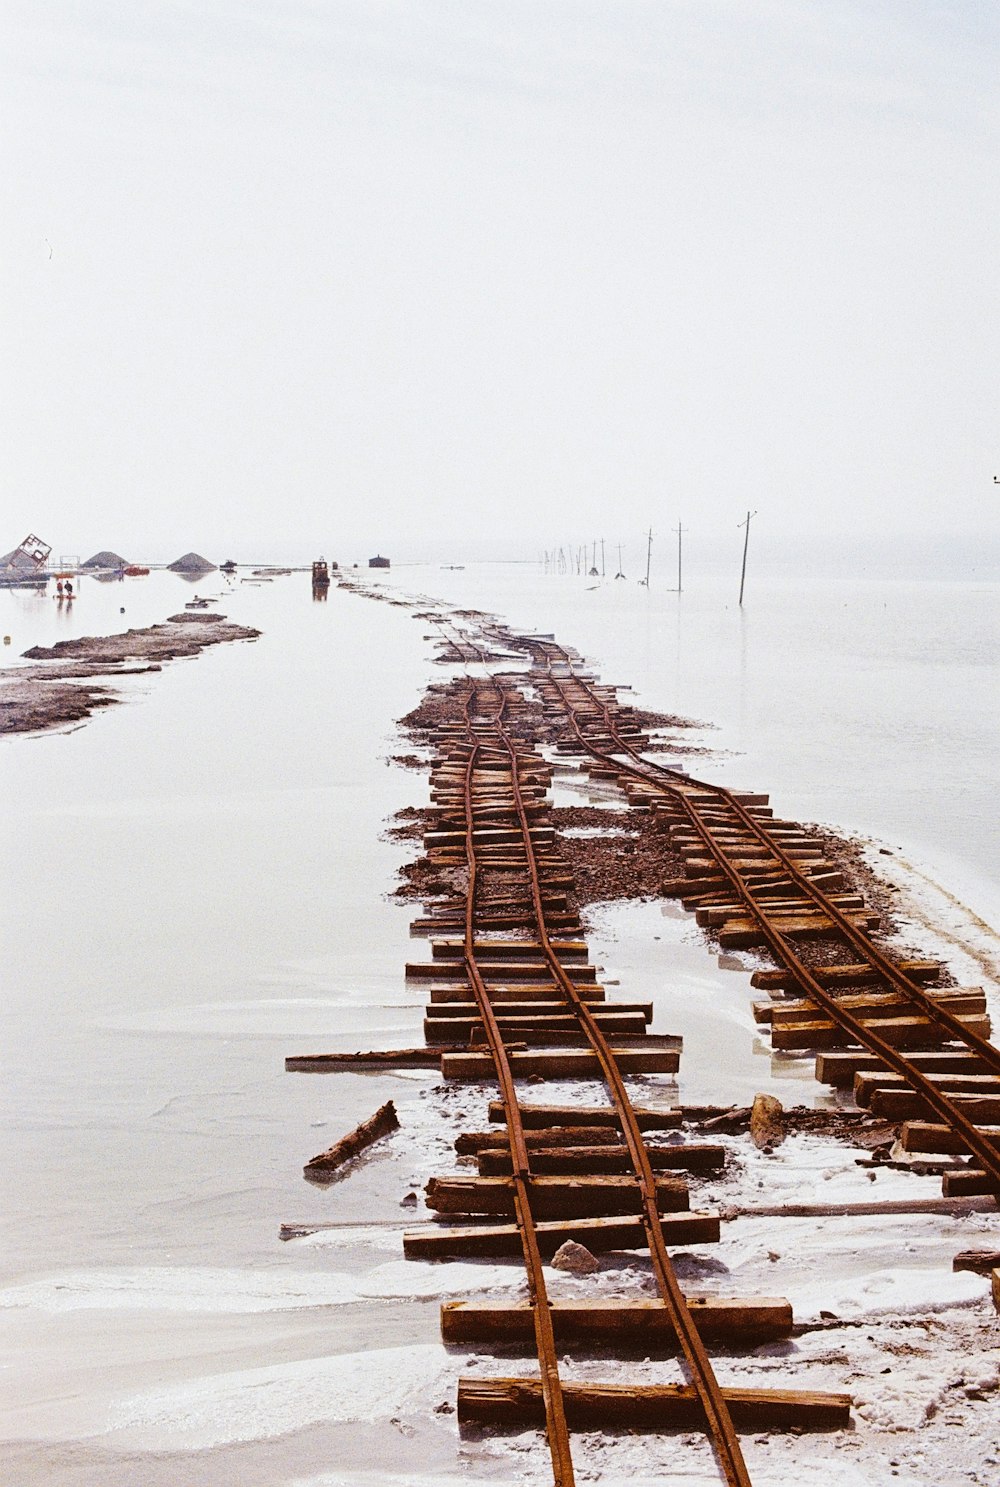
(464, 279)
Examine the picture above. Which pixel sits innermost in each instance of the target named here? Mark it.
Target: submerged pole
(746, 544)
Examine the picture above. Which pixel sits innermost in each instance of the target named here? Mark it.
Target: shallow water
(196, 884)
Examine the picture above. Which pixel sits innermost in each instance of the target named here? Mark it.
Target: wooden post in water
(746, 544)
(602, 557)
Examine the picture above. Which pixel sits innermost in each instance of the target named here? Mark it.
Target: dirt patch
(632, 863)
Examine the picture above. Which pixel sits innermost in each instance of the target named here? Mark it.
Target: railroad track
(513, 999)
(760, 882)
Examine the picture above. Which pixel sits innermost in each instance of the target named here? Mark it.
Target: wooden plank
(905, 1104)
(527, 970)
(535, 1116)
(743, 934)
(573, 1064)
(598, 1138)
(458, 995)
(379, 1058)
(452, 1029)
(503, 1241)
(454, 949)
(618, 1325)
(979, 1261)
(866, 1083)
(696, 1157)
(839, 1069)
(517, 1404)
(713, 915)
(553, 1197)
(466, 1011)
(323, 1167)
(701, 867)
(844, 975)
(924, 1135)
(570, 1038)
(967, 1182)
(900, 1032)
(960, 1001)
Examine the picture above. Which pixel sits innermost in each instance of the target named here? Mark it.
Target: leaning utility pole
(680, 534)
(649, 554)
(746, 544)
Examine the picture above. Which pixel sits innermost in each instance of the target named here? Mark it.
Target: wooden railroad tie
(839, 1069)
(573, 1064)
(870, 1005)
(458, 995)
(503, 1241)
(916, 1032)
(535, 1116)
(868, 1085)
(571, 1158)
(517, 1404)
(584, 1196)
(618, 1325)
(844, 975)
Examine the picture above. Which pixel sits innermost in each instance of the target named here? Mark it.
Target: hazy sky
(292, 276)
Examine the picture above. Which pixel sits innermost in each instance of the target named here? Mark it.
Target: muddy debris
(44, 696)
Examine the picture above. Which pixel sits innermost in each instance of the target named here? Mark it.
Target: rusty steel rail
(678, 786)
(721, 1430)
(556, 1429)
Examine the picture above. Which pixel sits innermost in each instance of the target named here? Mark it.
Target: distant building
(25, 564)
(378, 562)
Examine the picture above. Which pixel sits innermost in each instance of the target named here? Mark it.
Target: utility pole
(649, 554)
(746, 544)
(680, 534)
(602, 557)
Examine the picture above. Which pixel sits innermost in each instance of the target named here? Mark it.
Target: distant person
(59, 587)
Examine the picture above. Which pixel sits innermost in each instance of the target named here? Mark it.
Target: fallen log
(323, 1167)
